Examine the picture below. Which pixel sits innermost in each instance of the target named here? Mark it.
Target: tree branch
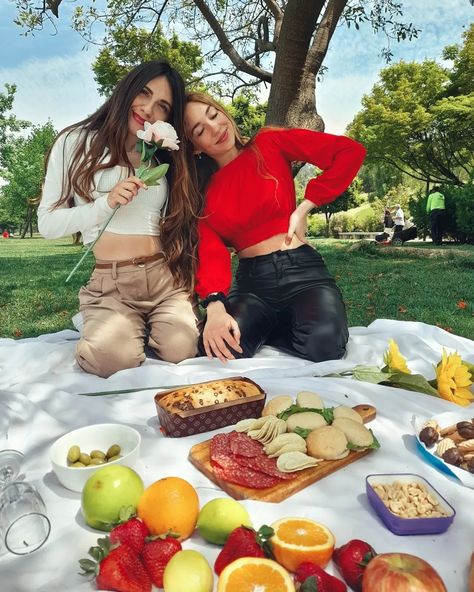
(278, 14)
(227, 46)
(317, 51)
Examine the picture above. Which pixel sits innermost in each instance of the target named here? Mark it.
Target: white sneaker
(78, 321)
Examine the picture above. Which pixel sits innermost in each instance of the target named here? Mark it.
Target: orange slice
(249, 574)
(300, 539)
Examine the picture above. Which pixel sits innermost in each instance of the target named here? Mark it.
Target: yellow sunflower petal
(454, 379)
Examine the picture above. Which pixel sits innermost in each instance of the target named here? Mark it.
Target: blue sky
(55, 81)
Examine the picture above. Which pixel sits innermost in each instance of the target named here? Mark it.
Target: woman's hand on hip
(123, 193)
(298, 224)
(221, 331)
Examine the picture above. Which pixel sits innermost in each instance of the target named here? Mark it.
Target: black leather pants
(289, 300)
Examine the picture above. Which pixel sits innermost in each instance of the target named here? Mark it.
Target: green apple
(219, 517)
(106, 492)
(188, 570)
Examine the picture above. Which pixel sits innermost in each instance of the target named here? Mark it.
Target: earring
(199, 155)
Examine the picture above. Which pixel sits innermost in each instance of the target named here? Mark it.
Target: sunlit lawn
(414, 282)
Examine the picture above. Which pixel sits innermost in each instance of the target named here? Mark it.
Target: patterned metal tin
(212, 417)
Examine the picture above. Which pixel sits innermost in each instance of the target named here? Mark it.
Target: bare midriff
(119, 247)
(269, 245)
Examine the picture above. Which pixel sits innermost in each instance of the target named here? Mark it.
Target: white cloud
(61, 89)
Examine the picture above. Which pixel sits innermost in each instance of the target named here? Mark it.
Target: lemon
(219, 517)
(188, 571)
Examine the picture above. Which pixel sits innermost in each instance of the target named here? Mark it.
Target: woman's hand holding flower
(123, 193)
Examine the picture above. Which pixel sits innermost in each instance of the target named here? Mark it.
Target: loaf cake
(214, 392)
(208, 405)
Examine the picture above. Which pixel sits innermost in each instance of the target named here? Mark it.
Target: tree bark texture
(292, 99)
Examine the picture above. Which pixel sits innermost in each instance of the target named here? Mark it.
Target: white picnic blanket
(40, 387)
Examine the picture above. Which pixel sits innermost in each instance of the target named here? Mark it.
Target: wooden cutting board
(199, 457)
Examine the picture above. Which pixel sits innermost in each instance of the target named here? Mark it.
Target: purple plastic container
(405, 526)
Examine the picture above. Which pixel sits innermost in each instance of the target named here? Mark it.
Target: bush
(459, 206)
(363, 219)
(366, 220)
(317, 225)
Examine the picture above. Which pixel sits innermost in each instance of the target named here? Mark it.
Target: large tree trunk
(292, 99)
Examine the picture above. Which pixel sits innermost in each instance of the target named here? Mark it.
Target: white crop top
(141, 216)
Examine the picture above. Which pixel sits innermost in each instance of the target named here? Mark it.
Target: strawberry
(116, 568)
(313, 578)
(156, 554)
(244, 542)
(351, 560)
(132, 533)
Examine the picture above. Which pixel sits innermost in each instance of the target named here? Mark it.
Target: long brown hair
(205, 166)
(106, 130)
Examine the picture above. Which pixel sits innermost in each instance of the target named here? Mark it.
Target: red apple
(400, 572)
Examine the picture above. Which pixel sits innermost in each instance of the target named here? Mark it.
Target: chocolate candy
(453, 457)
(429, 436)
(465, 429)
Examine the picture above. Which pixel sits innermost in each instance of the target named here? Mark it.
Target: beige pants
(119, 304)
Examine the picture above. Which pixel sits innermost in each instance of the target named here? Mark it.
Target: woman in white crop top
(145, 260)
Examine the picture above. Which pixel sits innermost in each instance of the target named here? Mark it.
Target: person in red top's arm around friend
(283, 294)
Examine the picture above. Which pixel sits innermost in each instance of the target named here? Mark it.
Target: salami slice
(244, 445)
(220, 444)
(264, 464)
(244, 476)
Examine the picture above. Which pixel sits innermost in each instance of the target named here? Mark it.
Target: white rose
(160, 130)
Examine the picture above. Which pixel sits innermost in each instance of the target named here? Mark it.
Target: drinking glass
(10, 464)
(24, 524)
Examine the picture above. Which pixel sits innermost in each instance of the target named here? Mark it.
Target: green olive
(85, 459)
(113, 451)
(97, 454)
(73, 454)
(115, 457)
(97, 461)
(78, 464)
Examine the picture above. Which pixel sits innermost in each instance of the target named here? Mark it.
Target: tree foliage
(411, 121)
(248, 114)
(24, 173)
(10, 125)
(129, 46)
(351, 198)
(278, 42)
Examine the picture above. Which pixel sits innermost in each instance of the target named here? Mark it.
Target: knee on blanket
(103, 362)
(326, 342)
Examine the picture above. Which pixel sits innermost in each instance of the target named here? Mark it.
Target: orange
(300, 539)
(249, 574)
(169, 504)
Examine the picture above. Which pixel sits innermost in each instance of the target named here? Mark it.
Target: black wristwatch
(214, 297)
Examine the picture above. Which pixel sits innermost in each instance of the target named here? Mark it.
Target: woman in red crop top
(282, 295)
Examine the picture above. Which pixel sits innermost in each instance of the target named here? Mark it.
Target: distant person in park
(398, 219)
(388, 222)
(283, 294)
(5, 234)
(436, 209)
(144, 268)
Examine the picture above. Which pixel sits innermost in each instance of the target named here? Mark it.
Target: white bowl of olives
(77, 454)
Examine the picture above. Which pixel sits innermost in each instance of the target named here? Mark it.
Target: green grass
(411, 283)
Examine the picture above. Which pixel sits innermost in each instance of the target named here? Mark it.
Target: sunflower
(394, 360)
(454, 379)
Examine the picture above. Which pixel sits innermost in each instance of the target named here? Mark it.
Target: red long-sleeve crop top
(252, 197)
